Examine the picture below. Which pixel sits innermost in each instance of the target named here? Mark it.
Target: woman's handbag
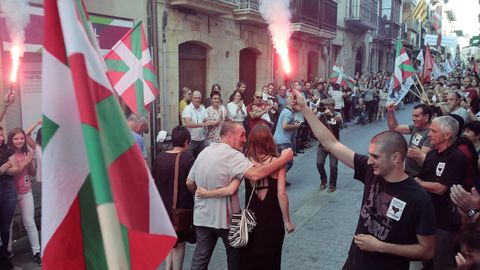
(182, 219)
(242, 223)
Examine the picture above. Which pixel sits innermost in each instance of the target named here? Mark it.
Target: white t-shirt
(235, 115)
(196, 116)
(215, 167)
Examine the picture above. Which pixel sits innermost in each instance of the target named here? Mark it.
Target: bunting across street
(131, 72)
(100, 206)
(340, 77)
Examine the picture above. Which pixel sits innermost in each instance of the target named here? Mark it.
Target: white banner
(396, 95)
(446, 41)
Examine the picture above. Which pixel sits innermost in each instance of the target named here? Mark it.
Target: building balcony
(247, 11)
(380, 32)
(362, 16)
(391, 34)
(210, 7)
(314, 18)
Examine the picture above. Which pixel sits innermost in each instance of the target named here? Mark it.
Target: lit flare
(282, 50)
(15, 54)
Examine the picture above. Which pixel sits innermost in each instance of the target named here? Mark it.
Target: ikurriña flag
(403, 66)
(131, 72)
(94, 174)
(340, 77)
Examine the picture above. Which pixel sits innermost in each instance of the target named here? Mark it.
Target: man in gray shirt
(419, 144)
(216, 166)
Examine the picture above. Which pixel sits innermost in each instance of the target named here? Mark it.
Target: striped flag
(403, 66)
(98, 197)
(131, 72)
(437, 19)
(340, 77)
(420, 11)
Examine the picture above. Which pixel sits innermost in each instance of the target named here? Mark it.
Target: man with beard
(453, 100)
(396, 221)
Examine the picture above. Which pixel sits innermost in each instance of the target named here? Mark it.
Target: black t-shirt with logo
(392, 212)
(447, 168)
(331, 124)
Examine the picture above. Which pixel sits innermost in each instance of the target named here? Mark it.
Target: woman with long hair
(24, 169)
(269, 203)
(164, 175)
(217, 114)
(237, 111)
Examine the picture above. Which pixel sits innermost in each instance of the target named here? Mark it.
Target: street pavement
(325, 222)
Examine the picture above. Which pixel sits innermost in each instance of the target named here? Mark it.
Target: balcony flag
(420, 11)
(131, 72)
(437, 19)
(340, 77)
(100, 206)
(403, 67)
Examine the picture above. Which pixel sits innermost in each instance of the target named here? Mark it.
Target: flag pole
(420, 95)
(415, 94)
(423, 90)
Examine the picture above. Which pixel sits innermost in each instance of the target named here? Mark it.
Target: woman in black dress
(164, 175)
(270, 205)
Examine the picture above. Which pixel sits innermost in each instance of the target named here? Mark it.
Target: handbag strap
(251, 195)
(175, 181)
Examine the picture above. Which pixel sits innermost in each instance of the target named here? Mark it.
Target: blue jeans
(8, 202)
(321, 157)
(206, 241)
(282, 146)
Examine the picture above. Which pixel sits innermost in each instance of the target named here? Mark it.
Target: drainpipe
(164, 69)
(153, 46)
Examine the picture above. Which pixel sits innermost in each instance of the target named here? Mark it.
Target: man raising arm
(396, 220)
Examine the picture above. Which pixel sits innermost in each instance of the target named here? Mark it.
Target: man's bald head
(391, 142)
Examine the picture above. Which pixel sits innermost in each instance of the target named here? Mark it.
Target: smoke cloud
(277, 14)
(17, 18)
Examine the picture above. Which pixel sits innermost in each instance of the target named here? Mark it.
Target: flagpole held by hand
(423, 90)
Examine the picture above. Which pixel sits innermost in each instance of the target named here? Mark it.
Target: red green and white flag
(339, 76)
(437, 19)
(131, 72)
(94, 174)
(403, 66)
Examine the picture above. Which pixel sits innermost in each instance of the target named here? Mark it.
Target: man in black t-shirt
(443, 167)
(333, 120)
(397, 220)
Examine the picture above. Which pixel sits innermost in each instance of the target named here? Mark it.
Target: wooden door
(192, 67)
(248, 72)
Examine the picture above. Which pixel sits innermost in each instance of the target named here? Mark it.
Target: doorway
(358, 61)
(192, 62)
(248, 72)
(312, 66)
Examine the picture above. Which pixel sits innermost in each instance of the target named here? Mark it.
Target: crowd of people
(420, 199)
